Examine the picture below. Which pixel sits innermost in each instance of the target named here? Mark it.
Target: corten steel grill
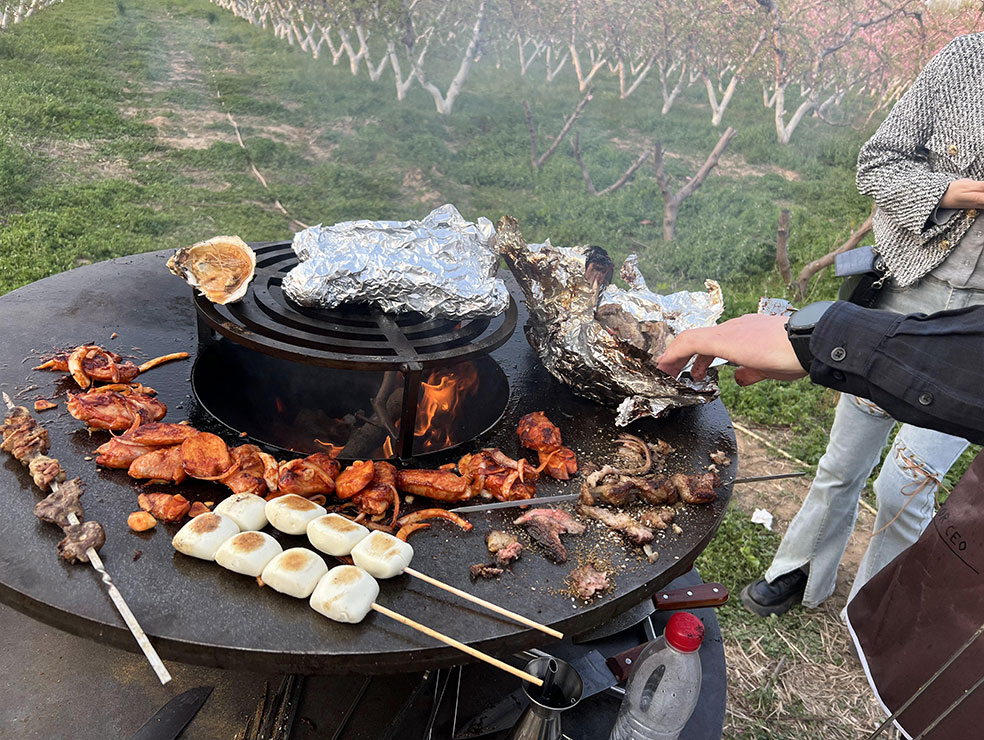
(350, 379)
(197, 612)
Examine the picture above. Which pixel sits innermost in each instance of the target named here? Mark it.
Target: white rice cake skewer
(348, 593)
(334, 534)
(294, 572)
(246, 509)
(248, 552)
(203, 535)
(291, 513)
(382, 555)
(345, 594)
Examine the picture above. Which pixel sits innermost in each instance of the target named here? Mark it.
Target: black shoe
(764, 598)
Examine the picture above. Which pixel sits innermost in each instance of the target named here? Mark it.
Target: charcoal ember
(545, 527)
(481, 570)
(56, 506)
(601, 340)
(45, 471)
(78, 539)
(587, 581)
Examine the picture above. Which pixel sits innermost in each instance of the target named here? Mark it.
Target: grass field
(115, 138)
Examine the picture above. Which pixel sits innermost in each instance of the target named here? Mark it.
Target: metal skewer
(114, 594)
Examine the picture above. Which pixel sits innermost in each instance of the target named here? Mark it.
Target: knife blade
(595, 678)
(573, 496)
(174, 716)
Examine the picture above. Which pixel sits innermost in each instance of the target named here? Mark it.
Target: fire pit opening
(352, 381)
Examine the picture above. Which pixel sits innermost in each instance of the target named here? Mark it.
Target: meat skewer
(119, 602)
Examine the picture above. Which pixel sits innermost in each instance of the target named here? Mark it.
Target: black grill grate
(358, 337)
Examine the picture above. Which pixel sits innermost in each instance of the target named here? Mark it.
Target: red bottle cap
(684, 631)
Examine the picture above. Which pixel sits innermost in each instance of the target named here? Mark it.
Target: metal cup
(561, 690)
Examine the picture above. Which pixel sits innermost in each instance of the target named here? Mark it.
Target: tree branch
(812, 268)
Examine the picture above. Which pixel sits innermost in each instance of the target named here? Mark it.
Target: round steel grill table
(197, 612)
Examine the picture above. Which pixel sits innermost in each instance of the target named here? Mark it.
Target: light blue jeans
(906, 485)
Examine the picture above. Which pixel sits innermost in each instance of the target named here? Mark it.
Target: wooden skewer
(458, 645)
(136, 630)
(482, 602)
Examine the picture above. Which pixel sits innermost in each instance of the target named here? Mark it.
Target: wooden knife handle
(691, 597)
(621, 665)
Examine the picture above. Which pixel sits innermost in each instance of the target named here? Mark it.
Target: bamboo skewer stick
(482, 602)
(119, 602)
(458, 645)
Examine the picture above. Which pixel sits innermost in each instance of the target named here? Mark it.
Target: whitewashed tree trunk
(445, 102)
(553, 71)
(639, 72)
(670, 96)
(583, 80)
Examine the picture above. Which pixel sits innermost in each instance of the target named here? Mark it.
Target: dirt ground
(820, 683)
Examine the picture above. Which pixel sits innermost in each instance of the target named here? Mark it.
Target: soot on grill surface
(352, 381)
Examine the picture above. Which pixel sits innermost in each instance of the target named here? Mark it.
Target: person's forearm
(924, 370)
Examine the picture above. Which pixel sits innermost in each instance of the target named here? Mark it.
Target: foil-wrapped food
(441, 265)
(601, 340)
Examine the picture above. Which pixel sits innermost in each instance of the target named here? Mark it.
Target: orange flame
(441, 396)
(388, 447)
(332, 450)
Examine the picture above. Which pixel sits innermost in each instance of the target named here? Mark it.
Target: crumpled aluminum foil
(599, 339)
(441, 265)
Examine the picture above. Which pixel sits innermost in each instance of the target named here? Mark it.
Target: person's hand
(964, 193)
(756, 342)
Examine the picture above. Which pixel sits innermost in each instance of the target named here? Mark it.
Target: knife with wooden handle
(689, 597)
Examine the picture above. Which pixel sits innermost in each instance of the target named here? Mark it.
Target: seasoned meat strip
(620, 522)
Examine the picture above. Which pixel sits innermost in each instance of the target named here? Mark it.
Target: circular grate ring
(351, 336)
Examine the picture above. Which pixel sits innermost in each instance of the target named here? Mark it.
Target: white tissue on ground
(763, 517)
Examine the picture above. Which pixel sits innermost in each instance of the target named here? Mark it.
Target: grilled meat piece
(509, 553)
(656, 492)
(116, 407)
(163, 506)
(440, 485)
(308, 475)
(538, 433)
(354, 478)
(696, 489)
(621, 522)
(43, 404)
(377, 497)
(164, 465)
(658, 518)
(250, 467)
(45, 471)
(587, 581)
(481, 570)
(618, 493)
(498, 474)
(497, 539)
(546, 525)
(56, 506)
(78, 539)
(504, 546)
(120, 451)
(206, 456)
(23, 437)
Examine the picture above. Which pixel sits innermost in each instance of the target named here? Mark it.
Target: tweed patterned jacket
(934, 135)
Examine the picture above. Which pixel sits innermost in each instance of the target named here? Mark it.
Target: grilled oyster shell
(220, 267)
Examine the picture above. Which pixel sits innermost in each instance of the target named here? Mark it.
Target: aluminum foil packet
(441, 265)
(602, 340)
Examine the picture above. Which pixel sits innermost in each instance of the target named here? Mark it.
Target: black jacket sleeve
(923, 370)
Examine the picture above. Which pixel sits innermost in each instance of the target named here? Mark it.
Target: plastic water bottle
(664, 685)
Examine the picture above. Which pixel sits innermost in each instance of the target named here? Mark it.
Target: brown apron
(921, 608)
